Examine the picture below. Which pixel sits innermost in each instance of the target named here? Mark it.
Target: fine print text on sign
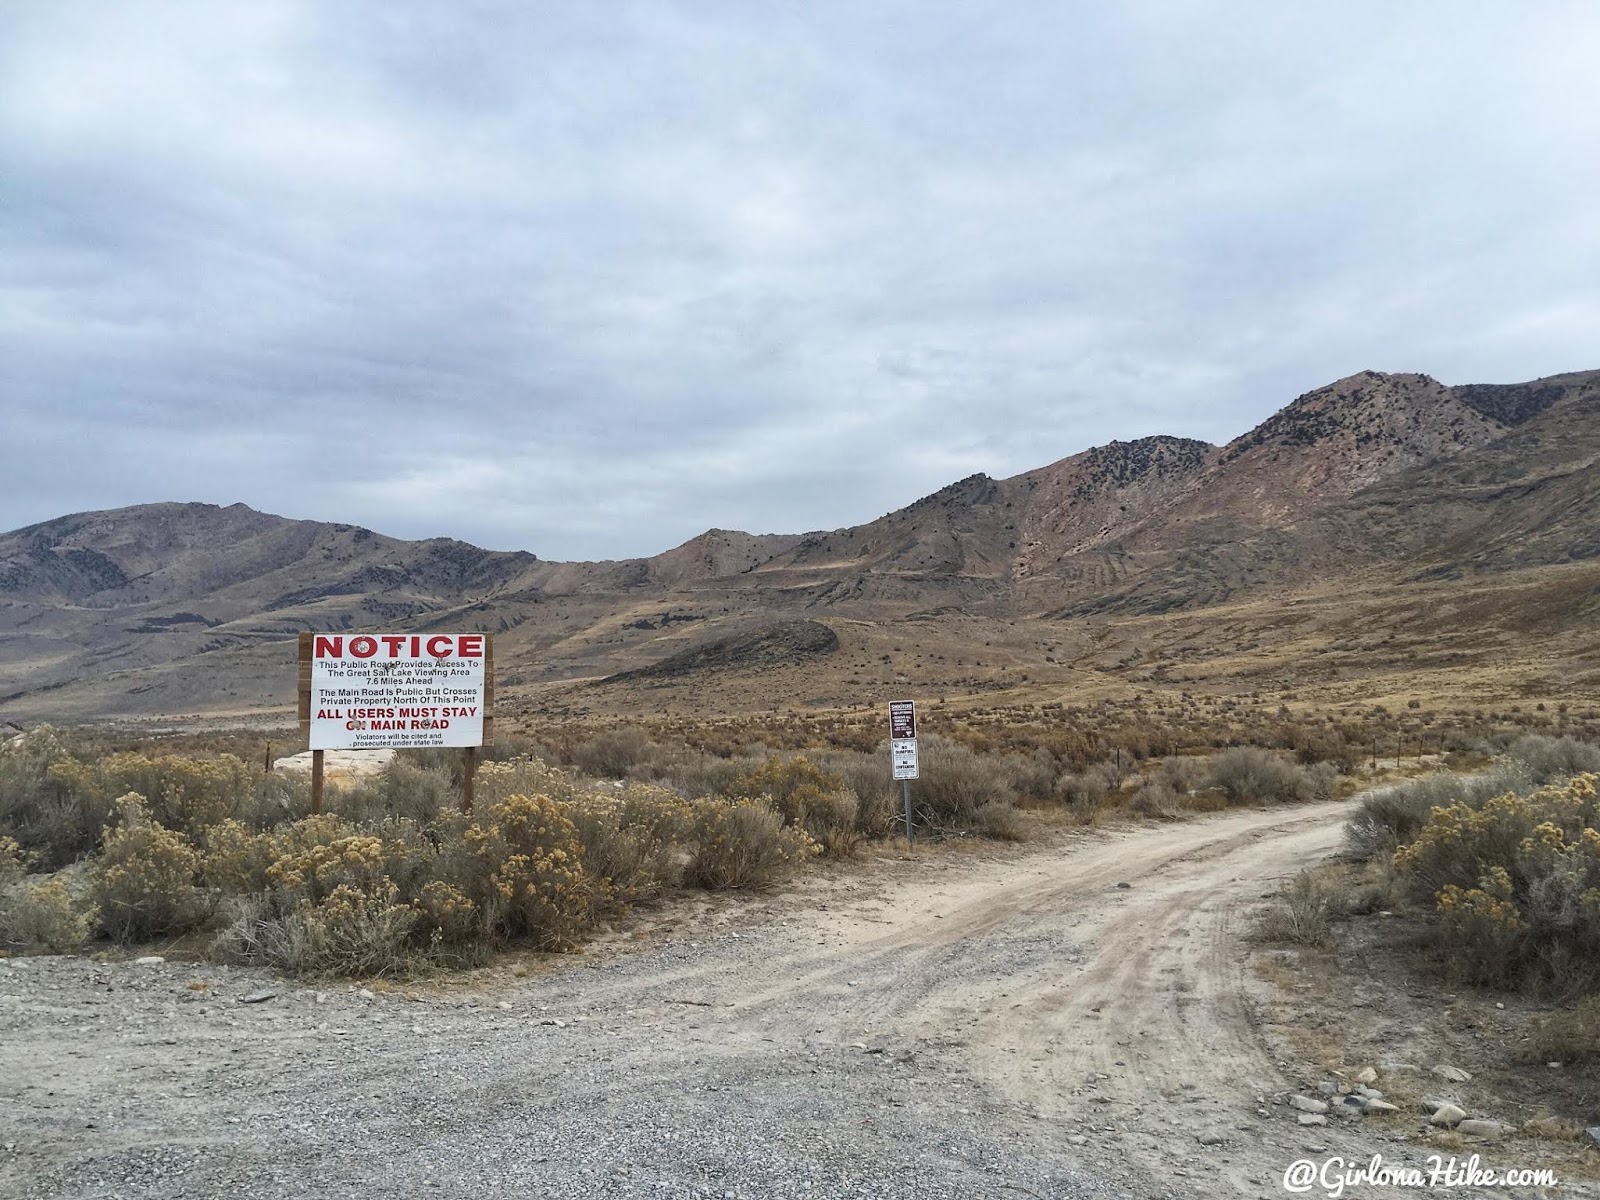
(903, 738)
(903, 753)
(379, 691)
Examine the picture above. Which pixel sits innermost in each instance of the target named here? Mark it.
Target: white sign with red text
(387, 691)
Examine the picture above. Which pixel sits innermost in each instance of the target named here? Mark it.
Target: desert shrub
(1031, 776)
(867, 777)
(14, 861)
(496, 782)
(1001, 822)
(1515, 884)
(235, 859)
(806, 797)
(44, 916)
(1301, 912)
(1246, 774)
(612, 753)
(705, 775)
(321, 895)
(524, 872)
(1385, 821)
(144, 879)
(1085, 793)
(354, 931)
(632, 841)
(1155, 799)
(404, 788)
(1393, 816)
(743, 844)
(180, 792)
(955, 784)
(348, 932)
(1322, 745)
(34, 808)
(316, 869)
(1571, 1036)
(1550, 758)
(1184, 775)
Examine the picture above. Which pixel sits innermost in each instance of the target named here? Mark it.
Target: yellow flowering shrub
(525, 871)
(744, 844)
(448, 915)
(1516, 883)
(143, 880)
(235, 859)
(14, 861)
(806, 797)
(632, 840)
(44, 916)
(180, 792)
(497, 781)
(320, 868)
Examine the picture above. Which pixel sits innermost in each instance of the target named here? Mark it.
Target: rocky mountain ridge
(139, 609)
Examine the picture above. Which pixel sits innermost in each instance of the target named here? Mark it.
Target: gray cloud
(586, 279)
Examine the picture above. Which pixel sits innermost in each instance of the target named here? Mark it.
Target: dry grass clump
(1568, 1037)
(1302, 912)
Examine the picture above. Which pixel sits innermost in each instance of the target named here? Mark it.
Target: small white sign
(372, 691)
(903, 754)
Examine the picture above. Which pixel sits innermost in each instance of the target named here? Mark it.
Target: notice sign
(903, 738)
(382, 691)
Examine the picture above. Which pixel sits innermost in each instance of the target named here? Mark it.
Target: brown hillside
(1322, 545)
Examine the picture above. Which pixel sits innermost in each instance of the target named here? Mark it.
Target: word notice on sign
(903, 738)
(383, 691)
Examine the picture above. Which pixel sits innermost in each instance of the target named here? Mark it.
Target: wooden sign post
(396, 691)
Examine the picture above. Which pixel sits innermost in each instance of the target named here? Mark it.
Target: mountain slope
(1379, 481)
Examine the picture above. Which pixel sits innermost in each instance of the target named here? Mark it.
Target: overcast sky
(588, 278)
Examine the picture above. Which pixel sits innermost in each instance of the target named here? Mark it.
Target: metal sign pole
(903, 751)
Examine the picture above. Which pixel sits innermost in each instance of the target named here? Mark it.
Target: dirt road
(1001, 1024)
